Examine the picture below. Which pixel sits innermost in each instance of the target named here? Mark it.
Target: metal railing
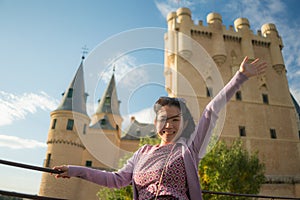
(49, 170)
(246, 195)
(27, 196)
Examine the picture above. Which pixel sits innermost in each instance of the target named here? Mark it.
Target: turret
(184, 36)
(107, 115)
(242, 25)
(171, 34)
(270, 31)
(68, 121)
(214, 21)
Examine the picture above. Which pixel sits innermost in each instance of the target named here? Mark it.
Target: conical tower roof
(109, 102)
(74, 98)
(297, 107)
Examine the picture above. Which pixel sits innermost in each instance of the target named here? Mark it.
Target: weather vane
(114, 68)
(84, 52)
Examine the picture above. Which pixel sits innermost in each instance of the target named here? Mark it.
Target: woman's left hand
(64, 171)
(254, 68)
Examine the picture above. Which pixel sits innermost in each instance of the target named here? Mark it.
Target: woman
(170, 170)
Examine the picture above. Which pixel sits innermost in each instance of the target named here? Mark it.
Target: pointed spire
(109, 102)
(74, 98)
(84, 52)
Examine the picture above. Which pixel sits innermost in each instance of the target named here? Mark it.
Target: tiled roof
(137, 130)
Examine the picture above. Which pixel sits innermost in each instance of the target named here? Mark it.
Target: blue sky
(41, 46)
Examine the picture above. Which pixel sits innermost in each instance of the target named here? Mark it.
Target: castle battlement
(217, 33)
(184, 14)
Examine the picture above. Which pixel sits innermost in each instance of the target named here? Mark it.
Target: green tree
(149, 140)
(231, 169)
(124, 193)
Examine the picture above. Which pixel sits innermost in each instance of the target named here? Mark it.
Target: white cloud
(14, 142)
(91, 107)
(14, 107)
(275, 6)
(127, 72)
(257, 12)
(165, 7)
(123, 65)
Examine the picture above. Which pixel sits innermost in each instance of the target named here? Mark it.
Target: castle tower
(262, 113)
(108, 112)
(102, 140)
(64, 145)
(75, 139)
(107, 122)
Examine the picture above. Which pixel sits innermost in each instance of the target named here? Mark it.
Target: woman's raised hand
(255, 68)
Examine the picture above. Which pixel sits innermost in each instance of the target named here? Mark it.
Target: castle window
(70, 124)
(84, 129)
(53, 123)
(88, 163)
(47, 163)
(242, 130)
(138, 132)
(107, 100)
(209, 92)
(273, 133)
(238, 95)
(103, 122)
(265, 98)
(70, 93)
(299, 134)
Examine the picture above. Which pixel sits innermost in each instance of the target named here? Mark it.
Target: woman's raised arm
(201, 137)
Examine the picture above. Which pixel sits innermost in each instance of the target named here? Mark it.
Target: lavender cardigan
(192, 149)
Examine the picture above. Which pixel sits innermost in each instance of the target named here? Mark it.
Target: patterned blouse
(154, 161)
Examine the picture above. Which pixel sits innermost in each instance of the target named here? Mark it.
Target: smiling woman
(41, 57)
(169, 170)
(173, 118)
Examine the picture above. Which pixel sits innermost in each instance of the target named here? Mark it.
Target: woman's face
(168, 123)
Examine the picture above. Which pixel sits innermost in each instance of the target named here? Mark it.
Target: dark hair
(186, 114)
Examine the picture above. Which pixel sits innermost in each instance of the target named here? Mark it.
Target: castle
(263, 113)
